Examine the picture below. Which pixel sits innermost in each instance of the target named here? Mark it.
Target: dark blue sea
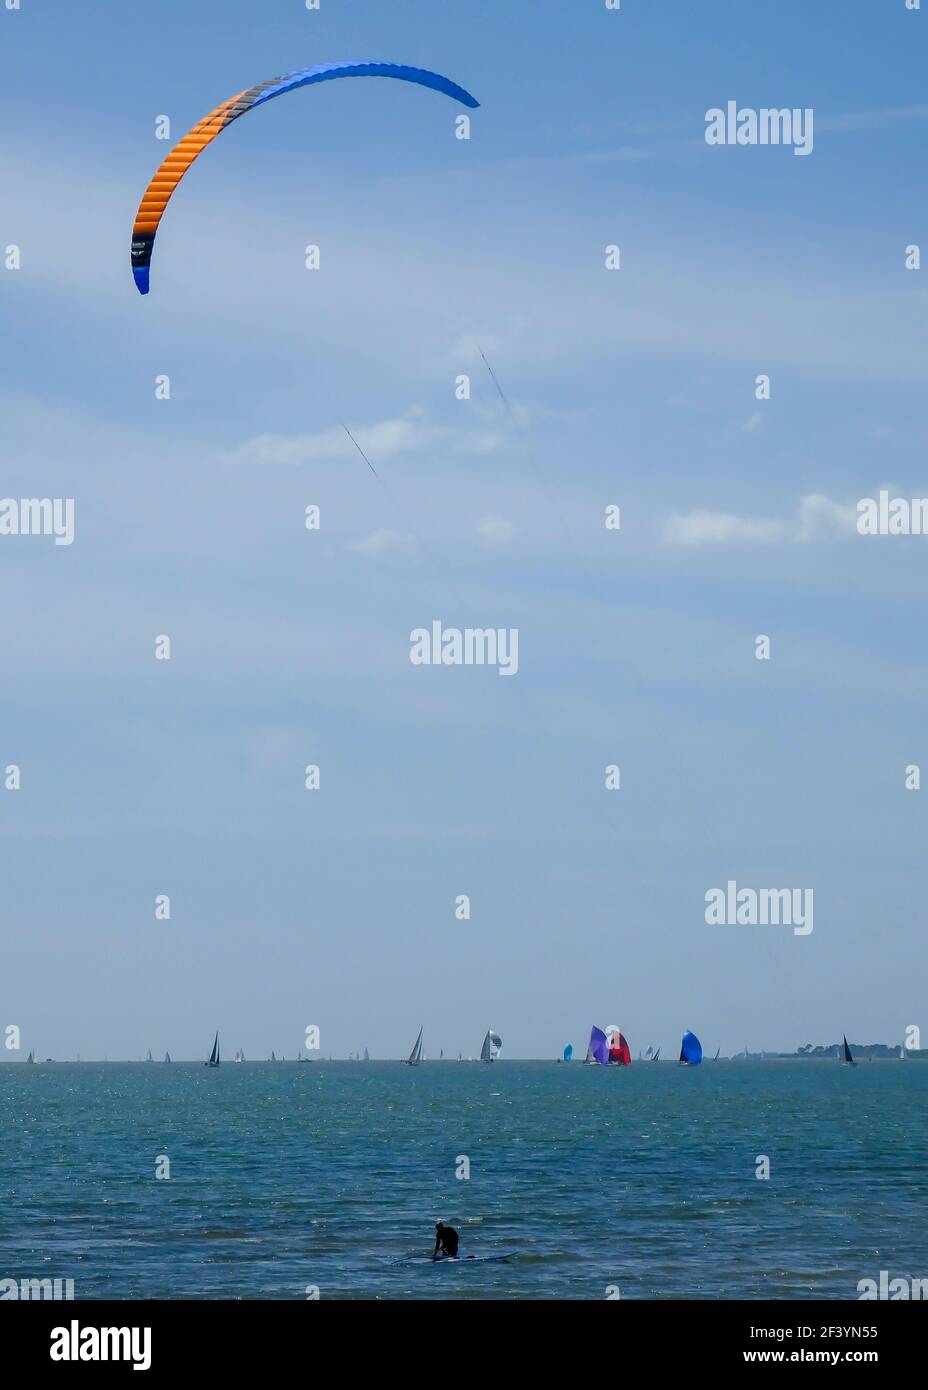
(287, 1178)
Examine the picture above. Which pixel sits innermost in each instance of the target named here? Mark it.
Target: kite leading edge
(174, 167)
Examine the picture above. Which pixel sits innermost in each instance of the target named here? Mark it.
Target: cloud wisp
(818, 518)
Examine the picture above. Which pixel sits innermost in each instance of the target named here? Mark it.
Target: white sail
(491, 1046)
(415, 1057)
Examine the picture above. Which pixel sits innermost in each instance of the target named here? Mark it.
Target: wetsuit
(447, 1239)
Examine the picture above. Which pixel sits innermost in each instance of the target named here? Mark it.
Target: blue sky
(637, 388)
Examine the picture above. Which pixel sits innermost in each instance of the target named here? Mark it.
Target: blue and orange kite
(175, 166)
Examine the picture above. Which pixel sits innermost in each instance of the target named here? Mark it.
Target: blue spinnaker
(599, 1046)
(568, 1052)
(691, 1050)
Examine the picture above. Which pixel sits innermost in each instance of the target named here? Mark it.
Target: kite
(174, 167)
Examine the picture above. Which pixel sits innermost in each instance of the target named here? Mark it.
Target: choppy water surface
(286, 1176)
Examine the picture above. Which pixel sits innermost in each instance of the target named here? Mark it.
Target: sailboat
(657, 1055)
(366, 1057)
(167, 1056)
(690, 1050)
(569, 1053)
(415, 1057)
(460, 1058)
(848, 1059)
(597, 1052)
(240, 1055)
(31, 1059)
(619, 1051)
(149, 1058)
(491, 1046)
(214, 1055)
(441, 1054)
(902, 1056)
(716, 1057)
(273, 1058)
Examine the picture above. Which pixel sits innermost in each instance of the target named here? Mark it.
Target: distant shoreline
(875, 1052)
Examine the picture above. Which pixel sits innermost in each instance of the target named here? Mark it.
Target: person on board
(446, 1240)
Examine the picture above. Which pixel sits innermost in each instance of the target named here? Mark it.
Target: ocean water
(292, 1176)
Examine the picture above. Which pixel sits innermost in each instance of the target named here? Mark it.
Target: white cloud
(383, 541)
(384, 439)
(878, 118)
(818, 518)
(407, 434)
(721, 528)
(495, 530)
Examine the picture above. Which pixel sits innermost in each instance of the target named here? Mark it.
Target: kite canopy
(175, 166)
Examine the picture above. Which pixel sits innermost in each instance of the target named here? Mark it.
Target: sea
(324, 1179)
